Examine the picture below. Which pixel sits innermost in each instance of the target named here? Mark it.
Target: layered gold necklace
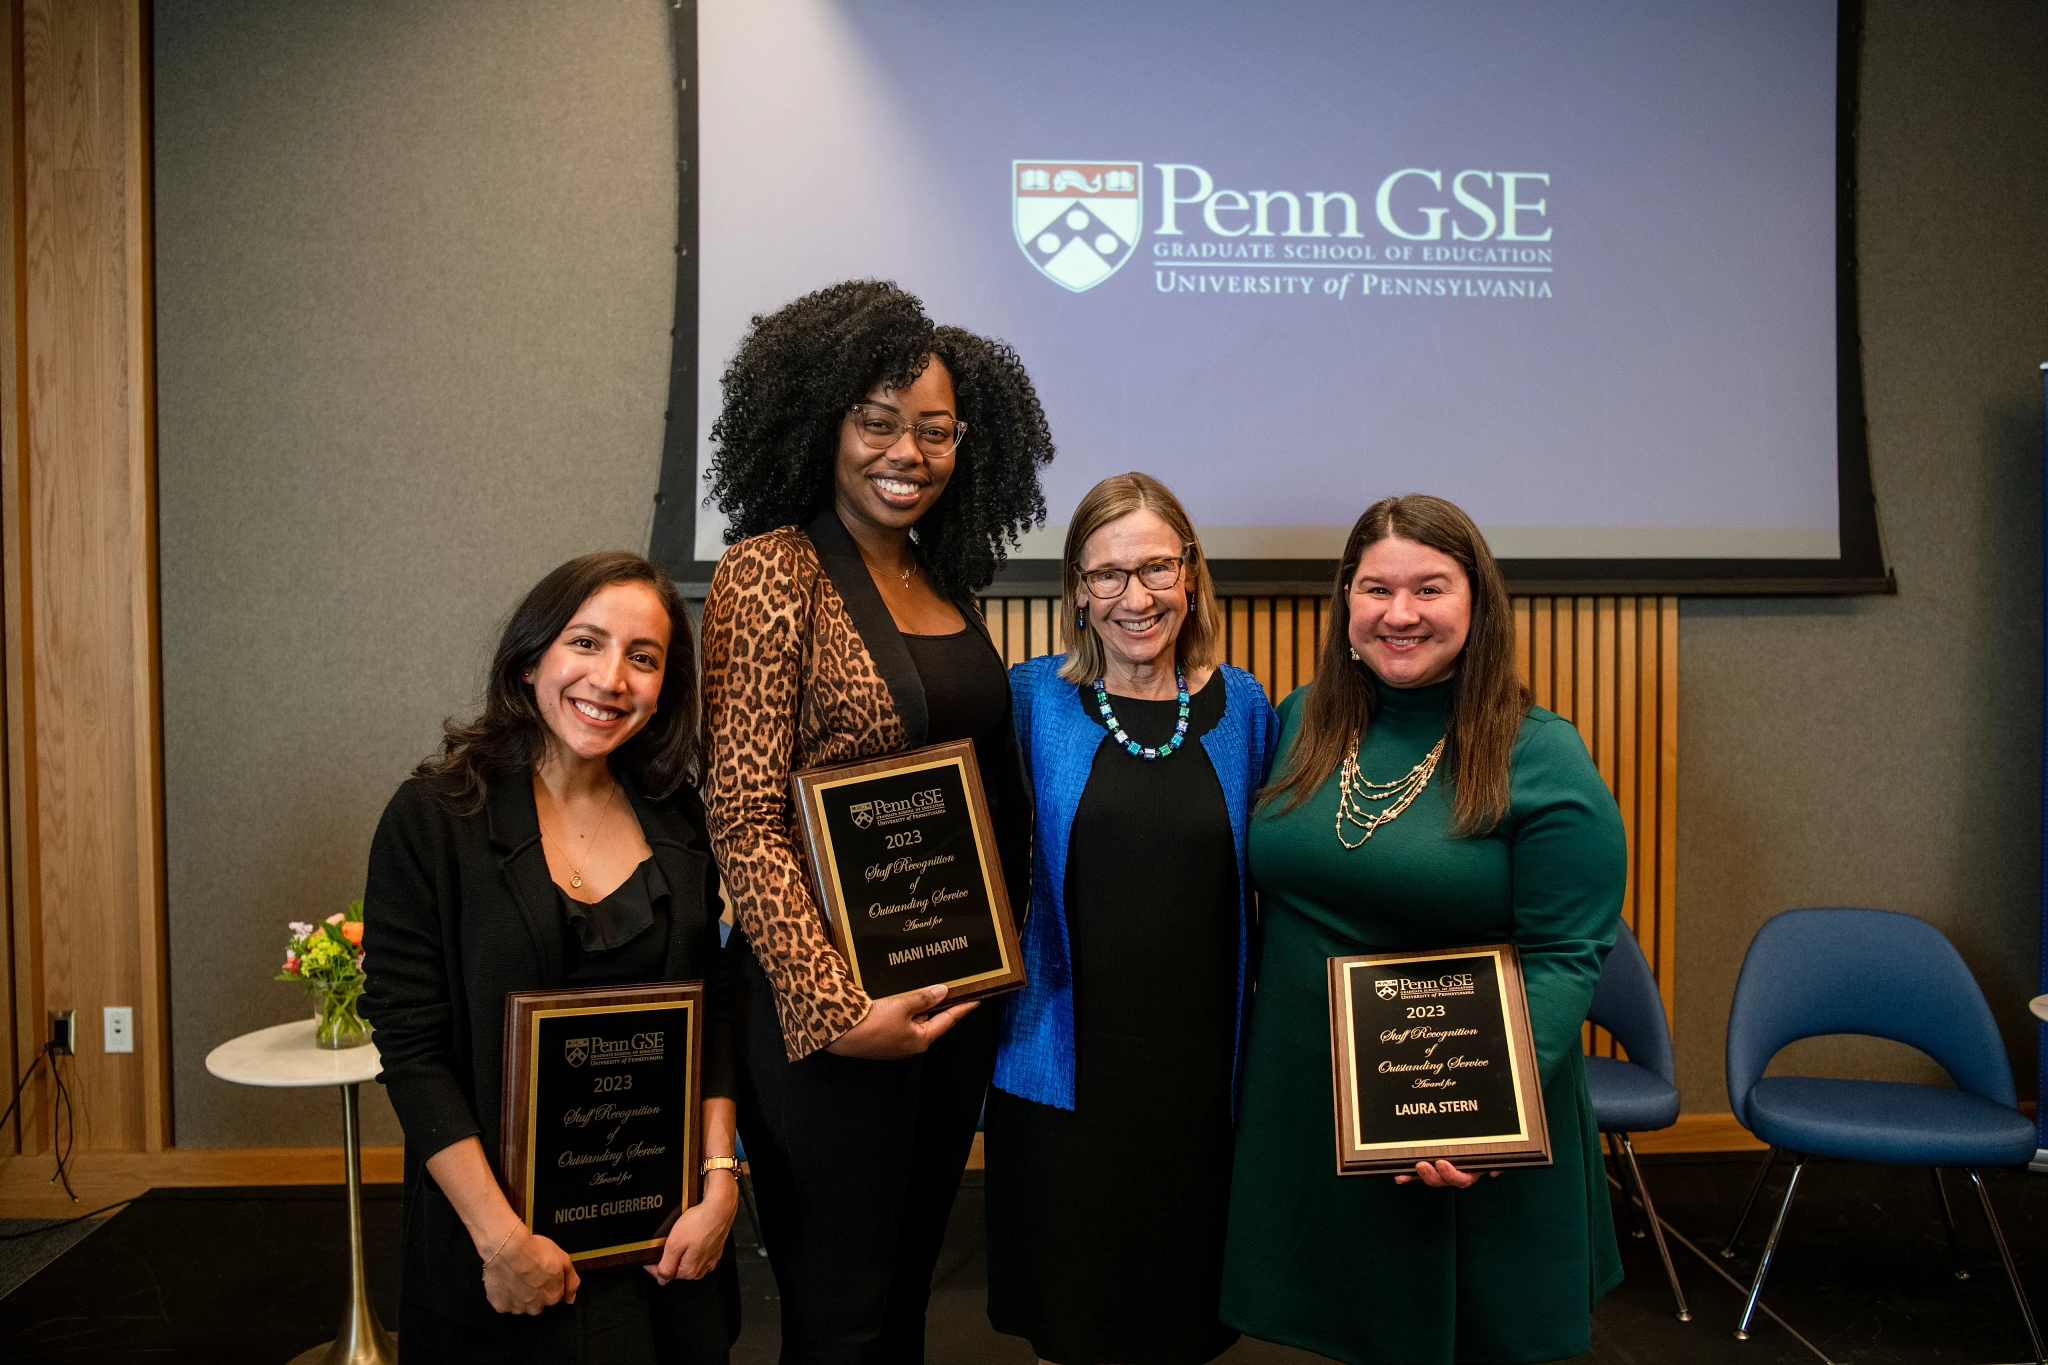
(1355, 794)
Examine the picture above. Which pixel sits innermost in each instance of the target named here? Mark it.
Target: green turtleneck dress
(1356, 1267)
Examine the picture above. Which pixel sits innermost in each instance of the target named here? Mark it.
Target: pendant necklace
(576, 873)
(1137, 750)
(1354, 791)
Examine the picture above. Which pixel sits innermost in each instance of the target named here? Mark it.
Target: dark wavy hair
(800, 368)
(508, 738)
(1488, 700)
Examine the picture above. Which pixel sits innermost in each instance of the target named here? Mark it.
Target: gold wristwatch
(720, 1163)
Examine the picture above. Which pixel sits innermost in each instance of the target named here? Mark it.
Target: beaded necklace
(1354, 790)
(1137, 750)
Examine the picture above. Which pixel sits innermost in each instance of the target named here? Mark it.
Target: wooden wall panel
(82, 611)
(1607, 664)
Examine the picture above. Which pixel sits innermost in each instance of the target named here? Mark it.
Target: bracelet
(720, 1163)
(501, 1246)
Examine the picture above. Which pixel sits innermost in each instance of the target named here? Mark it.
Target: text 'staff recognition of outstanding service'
(904, 864)
(1431, 1060)
(603, 1115)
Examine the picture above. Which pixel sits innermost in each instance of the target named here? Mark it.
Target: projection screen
(1584, 268)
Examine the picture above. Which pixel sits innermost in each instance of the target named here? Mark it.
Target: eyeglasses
(1156, 574)
(879, 428)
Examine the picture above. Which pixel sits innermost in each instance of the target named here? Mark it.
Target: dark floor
(256, 1275)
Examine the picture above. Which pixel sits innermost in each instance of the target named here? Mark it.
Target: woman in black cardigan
(553, 842)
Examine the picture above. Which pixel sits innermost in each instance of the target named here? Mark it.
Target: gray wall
(1886, 751)
(414, 278)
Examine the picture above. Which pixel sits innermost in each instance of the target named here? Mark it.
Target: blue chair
(1886, 975)
(1639, 1095)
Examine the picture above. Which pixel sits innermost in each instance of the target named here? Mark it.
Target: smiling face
(1140, 627)
(598, 683)
(1411, 609)
(890, 489)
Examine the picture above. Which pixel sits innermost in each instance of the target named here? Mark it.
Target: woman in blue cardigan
(1116, 1081)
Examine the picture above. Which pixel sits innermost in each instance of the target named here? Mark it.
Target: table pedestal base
(363, 1340)
(379, 1349)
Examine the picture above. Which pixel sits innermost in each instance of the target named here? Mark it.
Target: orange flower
(352, 930)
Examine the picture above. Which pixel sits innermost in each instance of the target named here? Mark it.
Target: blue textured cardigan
(1059, 737)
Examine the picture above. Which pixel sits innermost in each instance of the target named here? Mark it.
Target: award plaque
(1432, 1060)
(602, 1117)
(904, 864)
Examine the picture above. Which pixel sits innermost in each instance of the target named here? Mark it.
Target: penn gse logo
(1387, 988)
(1077, 221)
(863, 813)
(577, 1050)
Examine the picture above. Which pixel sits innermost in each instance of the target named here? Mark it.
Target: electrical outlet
(119, 1025)
(63, 1038)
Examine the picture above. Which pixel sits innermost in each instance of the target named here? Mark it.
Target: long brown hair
(1116, 497)
(1488, 702)
(508, 738)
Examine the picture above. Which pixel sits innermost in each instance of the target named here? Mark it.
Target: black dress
(1106, 1223)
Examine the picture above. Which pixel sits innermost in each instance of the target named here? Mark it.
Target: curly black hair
(802, 366)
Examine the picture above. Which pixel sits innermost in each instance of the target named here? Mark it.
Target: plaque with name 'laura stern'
(903, 861)
(603, 1115)
(1431, 1060)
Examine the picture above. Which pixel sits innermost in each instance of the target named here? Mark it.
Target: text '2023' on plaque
(603, 1115)
(1431, 1059)
(904, 863)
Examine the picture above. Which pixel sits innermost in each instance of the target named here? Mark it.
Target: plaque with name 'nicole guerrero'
(602, 1115)
(904, 863)
(1432, 1060)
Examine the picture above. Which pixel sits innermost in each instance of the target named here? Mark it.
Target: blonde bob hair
(1116, 497)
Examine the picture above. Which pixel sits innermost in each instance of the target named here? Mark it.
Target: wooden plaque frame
(1527, 1145)
(808, 789)
(523, 1087)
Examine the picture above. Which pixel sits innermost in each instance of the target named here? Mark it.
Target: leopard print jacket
(788, 685)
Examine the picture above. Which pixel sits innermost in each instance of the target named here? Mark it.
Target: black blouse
(621, 939)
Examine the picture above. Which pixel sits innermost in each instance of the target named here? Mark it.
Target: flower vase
(340, 1023)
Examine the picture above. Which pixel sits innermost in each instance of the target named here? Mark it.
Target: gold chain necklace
(1353, 790)
(576, 873)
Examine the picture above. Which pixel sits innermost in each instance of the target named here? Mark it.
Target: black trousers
(855, 1164)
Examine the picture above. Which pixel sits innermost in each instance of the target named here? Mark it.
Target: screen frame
(1860, 568)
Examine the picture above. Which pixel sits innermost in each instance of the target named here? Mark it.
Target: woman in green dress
(1420, 801)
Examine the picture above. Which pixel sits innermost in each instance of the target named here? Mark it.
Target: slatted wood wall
(1607, 664)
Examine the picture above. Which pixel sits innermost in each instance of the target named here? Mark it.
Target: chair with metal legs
(1886, 975)
(1639, 1095)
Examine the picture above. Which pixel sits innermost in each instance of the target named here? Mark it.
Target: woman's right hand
(900, 1025)
(530, 1273)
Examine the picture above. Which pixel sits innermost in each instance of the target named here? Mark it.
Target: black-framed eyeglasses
(879, 428)
(1156, 574)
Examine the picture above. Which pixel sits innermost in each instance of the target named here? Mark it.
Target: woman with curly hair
(872, 468)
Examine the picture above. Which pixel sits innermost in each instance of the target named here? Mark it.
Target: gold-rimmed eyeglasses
(880, 427)
(1156, 574)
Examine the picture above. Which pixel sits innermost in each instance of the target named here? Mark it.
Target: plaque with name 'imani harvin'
(1431, 1059)
(904, 864)
(603, 1116)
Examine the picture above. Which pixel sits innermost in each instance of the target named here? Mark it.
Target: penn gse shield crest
(1386, 990)
(1077, 221)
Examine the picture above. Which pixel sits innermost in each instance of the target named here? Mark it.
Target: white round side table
(287, 1056)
